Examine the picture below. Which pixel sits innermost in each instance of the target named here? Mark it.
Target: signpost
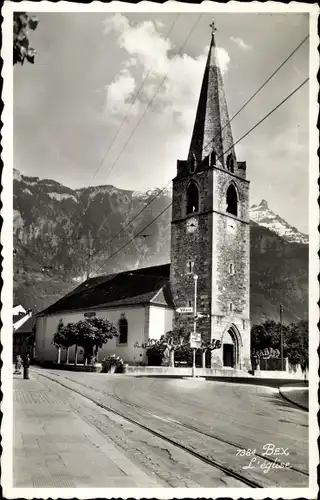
(195, 340)
(184, 310)
(195, 277)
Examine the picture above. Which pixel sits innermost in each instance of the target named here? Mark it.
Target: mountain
(61, 234)
(265, 217)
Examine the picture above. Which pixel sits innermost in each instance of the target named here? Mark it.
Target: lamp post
(281, 337)
(195, 277)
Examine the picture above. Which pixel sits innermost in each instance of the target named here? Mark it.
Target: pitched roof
(17, 317)
(127, 288)
(212, 130)
(27, 326)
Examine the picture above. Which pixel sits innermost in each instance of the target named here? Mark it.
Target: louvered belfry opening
(192, 198)
(232, 200)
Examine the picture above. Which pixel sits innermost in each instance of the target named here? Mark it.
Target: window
(231, 307)
(244, 324)
(189, 303)
(232, 200)
(231, 270)
(213, 158)
(230, 163)
(206, 162)
(190, 265)
(123, 330)
(192, 198)
(192, 164)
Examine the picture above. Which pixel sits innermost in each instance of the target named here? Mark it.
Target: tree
(61, 338)
(21, 45)
(265, 341)
(298, 344)
(175, 345)
(91, 334)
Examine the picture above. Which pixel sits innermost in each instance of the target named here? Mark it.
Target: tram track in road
(249, 479)
(181, 424)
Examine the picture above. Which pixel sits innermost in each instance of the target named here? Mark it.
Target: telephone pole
(281, 337)
(195, 277)
(89, 264)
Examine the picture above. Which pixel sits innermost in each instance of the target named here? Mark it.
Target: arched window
(123, 330)
(192, 198)
(213, 158)
(190, 265)
(230, 163)
(192, 163)
(232, 200)
(206, 162)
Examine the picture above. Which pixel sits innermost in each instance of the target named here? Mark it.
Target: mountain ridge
(56, 228)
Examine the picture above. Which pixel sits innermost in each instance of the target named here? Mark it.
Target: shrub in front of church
(110, 361)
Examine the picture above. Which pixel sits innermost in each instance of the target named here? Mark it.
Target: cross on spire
(213, 27)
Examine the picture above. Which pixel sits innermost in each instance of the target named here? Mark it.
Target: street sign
(201, 315)
(195, 340)
(184, 310)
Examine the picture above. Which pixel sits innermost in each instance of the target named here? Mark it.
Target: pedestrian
(18, 365)
(26, 364)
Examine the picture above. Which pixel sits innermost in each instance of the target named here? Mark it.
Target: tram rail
(172, 422)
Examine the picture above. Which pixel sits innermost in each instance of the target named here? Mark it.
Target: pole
(281, 337)
(195, 277)
(89, 264)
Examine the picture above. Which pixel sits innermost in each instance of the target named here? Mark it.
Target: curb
(285, 396)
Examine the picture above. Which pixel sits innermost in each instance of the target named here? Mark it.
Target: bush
(112, 360)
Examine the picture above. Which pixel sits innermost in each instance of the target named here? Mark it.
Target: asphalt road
(250, 429)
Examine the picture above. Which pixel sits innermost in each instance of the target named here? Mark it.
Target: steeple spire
(212, 131)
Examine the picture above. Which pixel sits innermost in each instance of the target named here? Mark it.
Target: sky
(112, 97)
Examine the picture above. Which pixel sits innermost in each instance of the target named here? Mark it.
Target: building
(209, 253)
(210, 227)
(138, 302)
(23, 332)
(24, 339)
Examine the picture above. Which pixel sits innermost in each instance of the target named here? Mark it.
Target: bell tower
(210, 232)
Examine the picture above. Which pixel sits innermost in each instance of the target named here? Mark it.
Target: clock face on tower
(192, 225)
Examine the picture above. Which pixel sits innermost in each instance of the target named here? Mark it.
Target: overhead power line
(149, 105)
(255, 94)
(240, 139)
(237, 113)
(133, 102)
(152, 99)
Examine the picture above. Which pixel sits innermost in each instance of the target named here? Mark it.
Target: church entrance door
(230, 348)
(228, 355)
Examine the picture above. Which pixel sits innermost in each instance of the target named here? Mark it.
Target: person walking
(18, 365)
(26, 364)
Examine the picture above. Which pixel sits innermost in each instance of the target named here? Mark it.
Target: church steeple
(212, 131)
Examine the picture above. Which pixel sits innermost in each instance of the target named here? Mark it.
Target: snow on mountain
(16, 175)
(61, 196)
(262, 215)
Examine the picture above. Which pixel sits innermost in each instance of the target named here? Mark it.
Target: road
(191, 433)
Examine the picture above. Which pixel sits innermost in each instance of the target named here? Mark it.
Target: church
(210, 245)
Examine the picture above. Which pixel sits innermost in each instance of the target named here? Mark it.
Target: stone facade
(217, 249)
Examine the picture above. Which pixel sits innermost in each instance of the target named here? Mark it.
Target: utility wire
(131, 220)
(133, 102)
(241, 138)
(149, 105)
(234, 116)
(153, 98)
(254, 95)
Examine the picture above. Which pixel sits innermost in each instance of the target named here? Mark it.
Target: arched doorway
(230, 348)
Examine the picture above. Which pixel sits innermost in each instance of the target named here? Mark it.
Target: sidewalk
(299, 396)
(54, 447)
